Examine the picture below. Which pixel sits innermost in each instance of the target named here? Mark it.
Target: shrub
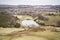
(58, 23)
(17, 25)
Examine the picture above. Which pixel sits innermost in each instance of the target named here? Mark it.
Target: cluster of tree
(40, 17)
(53, 14)
(8, 21)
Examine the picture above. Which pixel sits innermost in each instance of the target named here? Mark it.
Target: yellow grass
(28, 35)
(21, 17)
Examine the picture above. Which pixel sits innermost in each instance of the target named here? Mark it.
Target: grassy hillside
(54, 18)
(18, 34)
(49, 19)
(6, 20)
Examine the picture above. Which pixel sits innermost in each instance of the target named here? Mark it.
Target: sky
(30, 2)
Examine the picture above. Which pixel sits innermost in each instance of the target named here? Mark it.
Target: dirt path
(29, 38)
(26, 35)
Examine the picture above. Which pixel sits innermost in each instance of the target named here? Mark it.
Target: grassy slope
(40, 35)
(52, 20)
(4, 19)
(30, 35)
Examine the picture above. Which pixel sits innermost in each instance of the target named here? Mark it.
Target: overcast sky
(30, 2)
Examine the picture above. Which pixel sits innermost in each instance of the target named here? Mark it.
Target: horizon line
(26, 4)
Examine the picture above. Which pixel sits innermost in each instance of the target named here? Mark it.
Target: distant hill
(18, 9)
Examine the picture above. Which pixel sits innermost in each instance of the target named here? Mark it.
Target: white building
(29, 24)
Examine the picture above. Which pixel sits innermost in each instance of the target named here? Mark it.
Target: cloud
(30, 2)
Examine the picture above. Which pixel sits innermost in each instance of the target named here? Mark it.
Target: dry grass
(32, 34)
